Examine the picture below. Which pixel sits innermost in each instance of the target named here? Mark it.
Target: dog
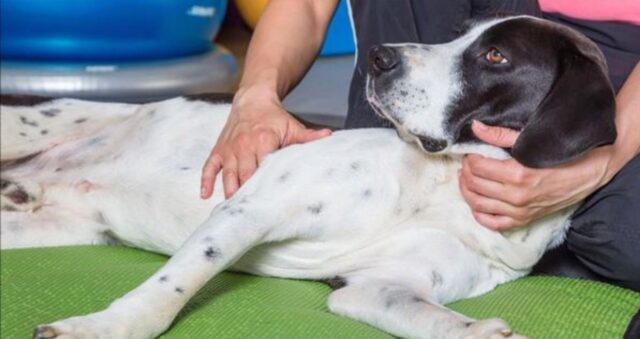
(381, 217)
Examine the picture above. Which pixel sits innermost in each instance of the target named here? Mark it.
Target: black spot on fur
(179, 290)
(23, 134)
(391, 301)
(336, 282)
(404, 93)
(163, 278)
(50, 113)
(284, 177)
(355, 166)
(436, 278)
(417, 299)
(211, 253)
(185, 168)
(316, 208)
(366, 193)
(235, 211)
(44, 132)
(28, 122)
(80, 121)
(59, 169)
(4, 183)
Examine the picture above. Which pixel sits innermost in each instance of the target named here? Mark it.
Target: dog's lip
(373, 100)
(432, 145)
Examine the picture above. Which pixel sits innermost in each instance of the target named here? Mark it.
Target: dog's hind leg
(404, 312)
(51, 227)
(29, 126)
(233, 228)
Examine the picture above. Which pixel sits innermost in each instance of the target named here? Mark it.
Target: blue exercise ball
(107, 30)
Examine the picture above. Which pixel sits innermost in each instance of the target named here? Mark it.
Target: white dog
(380, 217)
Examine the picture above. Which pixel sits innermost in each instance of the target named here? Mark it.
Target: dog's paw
(107, 324)
(490, 329)
(61, 330)
(101, 325)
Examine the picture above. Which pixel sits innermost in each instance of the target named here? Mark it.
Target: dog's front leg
(401, 311)
(147, 311)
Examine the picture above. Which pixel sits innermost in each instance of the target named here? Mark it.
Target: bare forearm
(627, 144)
(285, 43)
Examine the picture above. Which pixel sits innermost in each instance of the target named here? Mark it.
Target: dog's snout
(382, 58)
(431, 144)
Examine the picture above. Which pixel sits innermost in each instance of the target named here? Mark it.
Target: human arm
(283, 47)
(505, 194)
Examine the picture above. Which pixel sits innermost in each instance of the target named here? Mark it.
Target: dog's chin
(426, 144)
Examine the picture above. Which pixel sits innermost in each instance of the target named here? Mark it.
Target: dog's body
(362, 206)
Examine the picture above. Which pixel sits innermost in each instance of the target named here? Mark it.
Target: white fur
(388, 215)
(361, 204)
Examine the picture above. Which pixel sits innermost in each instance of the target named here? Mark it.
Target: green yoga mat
(44, 285)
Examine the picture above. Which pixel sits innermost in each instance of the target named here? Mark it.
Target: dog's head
(523, 73)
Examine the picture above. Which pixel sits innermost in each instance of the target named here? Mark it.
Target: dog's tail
(31, 124)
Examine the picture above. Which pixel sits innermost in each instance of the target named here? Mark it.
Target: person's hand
(257, 126)
(504, 194)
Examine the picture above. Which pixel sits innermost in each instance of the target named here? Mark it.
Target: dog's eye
(495, 57)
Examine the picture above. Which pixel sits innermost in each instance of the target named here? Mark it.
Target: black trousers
(603, 242)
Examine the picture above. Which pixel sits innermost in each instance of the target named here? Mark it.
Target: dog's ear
(576, 115)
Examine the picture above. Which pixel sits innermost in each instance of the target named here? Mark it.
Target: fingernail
(479, 125)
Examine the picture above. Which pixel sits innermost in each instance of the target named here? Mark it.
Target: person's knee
(605, 231)
(610, 256)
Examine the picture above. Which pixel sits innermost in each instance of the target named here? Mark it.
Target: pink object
(598, 10)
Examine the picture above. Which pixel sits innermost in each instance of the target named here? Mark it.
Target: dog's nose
(382, 59)
(431, 144)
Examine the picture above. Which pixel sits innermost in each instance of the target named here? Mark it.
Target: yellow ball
(250, 10)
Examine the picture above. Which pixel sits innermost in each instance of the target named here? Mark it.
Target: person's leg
(605, 230)
(603, 242)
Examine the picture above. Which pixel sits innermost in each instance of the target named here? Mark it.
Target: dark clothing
(438, 21)
(603, 242)
(422, 21)
(620, 43)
